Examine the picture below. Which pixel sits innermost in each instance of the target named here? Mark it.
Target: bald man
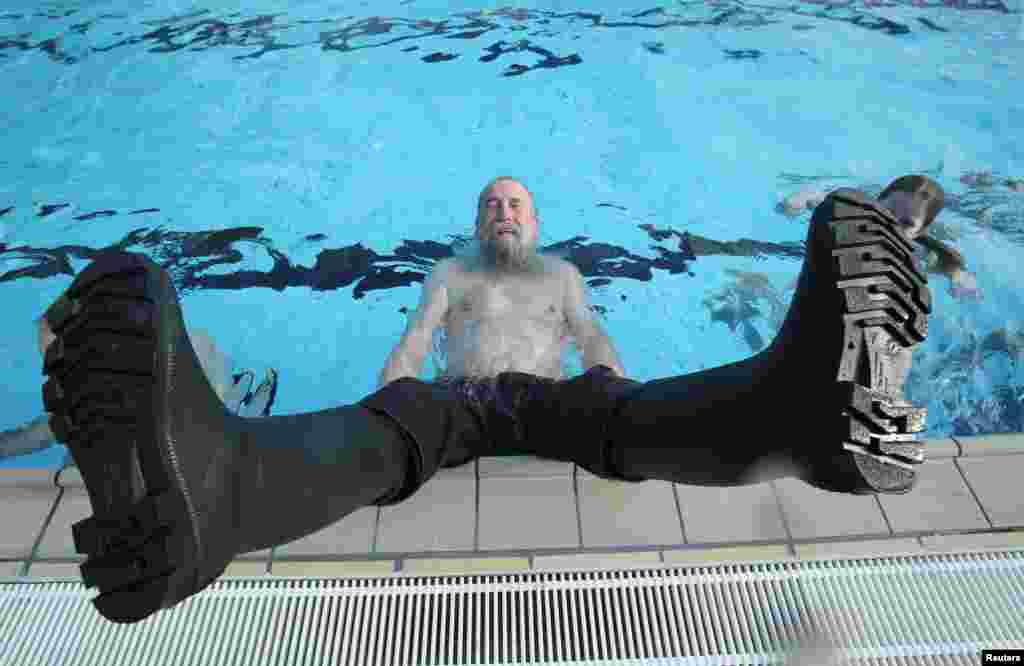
(180, 486)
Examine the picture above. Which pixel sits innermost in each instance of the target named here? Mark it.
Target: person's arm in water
(594, 344)
(36, 434)
(406, 360)
(29, 438)
(949, 262)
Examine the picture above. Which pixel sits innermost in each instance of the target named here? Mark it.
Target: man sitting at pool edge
(180, 486)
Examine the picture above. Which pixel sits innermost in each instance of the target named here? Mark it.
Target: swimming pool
(299, 167)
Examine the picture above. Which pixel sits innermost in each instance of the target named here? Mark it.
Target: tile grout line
(576, 499)
(679, 515)
(984, 512)
(476, 500)
(885, 516)
(785, 522)
(39, 537)
(376, 530)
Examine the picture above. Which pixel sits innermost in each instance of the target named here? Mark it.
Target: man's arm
(406, 360)
(594, 343)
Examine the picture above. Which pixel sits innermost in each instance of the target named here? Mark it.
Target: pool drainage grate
(931, 609)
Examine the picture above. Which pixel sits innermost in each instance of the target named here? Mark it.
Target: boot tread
(881, 287)
(102, 369)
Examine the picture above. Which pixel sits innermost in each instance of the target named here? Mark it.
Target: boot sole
(881, 289)
(107, 394)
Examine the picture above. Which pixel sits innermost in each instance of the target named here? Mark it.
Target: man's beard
(501, 256)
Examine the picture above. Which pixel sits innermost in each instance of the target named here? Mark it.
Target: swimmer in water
(179, 486)
(916, 201)
(502, 304)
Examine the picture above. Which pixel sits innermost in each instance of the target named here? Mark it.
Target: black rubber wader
(178, 484)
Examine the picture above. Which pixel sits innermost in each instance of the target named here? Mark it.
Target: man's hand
(46, 336)
(612, 369)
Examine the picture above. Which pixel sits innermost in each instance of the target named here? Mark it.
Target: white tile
(246, 568)
(58, 540)
(54, 570)
(440, 516)
(524, 467)
(740, 513)
(940, 501)
(416, 566)
(599, 561)
(616, 513)
(866, 548)
(527, 512)
(23, 510)
(998, 481)
(307, 569)
(813, 513)
(352, 535)
(761, 553)
(943, 543)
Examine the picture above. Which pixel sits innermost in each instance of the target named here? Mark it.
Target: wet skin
(503, 307)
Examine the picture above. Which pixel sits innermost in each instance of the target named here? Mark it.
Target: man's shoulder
(446, 267)
(451, 267)
(449, 273)
(557, 265)
(567, 270)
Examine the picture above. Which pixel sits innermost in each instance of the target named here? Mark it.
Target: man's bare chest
(480, 300)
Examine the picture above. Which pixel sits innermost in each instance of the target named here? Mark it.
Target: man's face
(507, 227)
(908, 211)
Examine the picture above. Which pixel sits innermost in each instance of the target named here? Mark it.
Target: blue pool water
(299, 166)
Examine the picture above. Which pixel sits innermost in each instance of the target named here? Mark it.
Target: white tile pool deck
(521, 514)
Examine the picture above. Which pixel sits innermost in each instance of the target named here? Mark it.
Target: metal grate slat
(934, 609)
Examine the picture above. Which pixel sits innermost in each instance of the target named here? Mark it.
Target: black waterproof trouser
(456, 421)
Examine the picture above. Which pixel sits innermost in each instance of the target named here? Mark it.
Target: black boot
(178, 485)
(824, 401)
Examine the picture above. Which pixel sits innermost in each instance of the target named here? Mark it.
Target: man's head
(915, 201)
(507, 227)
